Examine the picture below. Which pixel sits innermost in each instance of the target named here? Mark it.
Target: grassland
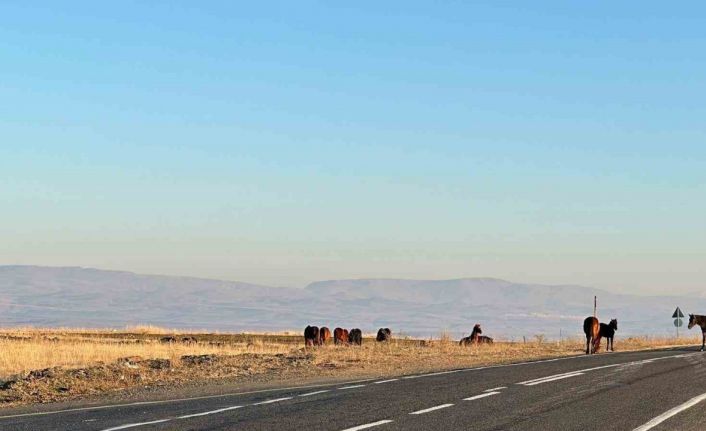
(44, 365)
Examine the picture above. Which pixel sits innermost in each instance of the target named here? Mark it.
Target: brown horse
(340, 336)
(475, 337)
(592, 329)
(324, 335)
(696, 319)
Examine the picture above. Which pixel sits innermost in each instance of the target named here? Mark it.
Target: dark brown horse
(384, 334)
(608, 331)
(476, 337)
(355, 337)
(696, 319)
(311, 336)
(591, 328)
(324, 335)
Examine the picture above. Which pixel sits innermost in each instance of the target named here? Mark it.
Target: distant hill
(47, 296)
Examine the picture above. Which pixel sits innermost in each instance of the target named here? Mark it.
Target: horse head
(614, 324)
(692, 321)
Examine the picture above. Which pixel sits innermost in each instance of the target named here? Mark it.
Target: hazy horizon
(282, 144)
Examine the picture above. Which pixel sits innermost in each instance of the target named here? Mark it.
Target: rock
(159, 364)
(41, 374)
(199, 359)
(130, 361)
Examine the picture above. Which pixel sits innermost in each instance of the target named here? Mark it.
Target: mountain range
(85, 297)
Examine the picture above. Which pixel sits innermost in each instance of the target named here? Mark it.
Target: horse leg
(588, 341)
(703, 340)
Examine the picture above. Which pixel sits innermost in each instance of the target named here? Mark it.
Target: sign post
(677, 316)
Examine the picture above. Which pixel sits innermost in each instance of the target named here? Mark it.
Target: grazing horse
(475, 337)
(608, 331)
(311, 336)
(324, 335)
(356, 337)
(696, 319)
(591, 328)
(340, 336)
(384, 334)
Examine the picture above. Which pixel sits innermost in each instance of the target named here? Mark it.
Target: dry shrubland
(76, 362)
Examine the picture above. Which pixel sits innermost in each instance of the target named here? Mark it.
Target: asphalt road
(653, 390)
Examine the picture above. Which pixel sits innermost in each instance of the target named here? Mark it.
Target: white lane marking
(440, 373)
(212, 412)
(602, 367)
(276, 400)
(179, 400)
(431, 409)
(669, 413)
(386, 381)
(566, 376)
(314, 393)
(122, 427)
(540, 379)
(370, 425)
(323, 385)
(351, 387)
(477, 397)
(499, 388)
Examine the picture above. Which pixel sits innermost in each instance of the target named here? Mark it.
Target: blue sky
(285, 142)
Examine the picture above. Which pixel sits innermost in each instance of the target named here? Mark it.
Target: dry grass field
(41, 365)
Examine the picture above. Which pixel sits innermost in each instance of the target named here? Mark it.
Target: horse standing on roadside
(476, 337)
(340, 336)
(696, 319)
(324, 335)
(591, 328)
(608, 331)
(311, 336)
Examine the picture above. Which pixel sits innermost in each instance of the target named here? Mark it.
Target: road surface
(652, 390)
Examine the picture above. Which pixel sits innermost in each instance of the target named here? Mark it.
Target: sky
(285, 142)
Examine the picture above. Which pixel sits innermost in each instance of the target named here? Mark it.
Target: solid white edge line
(308, 394)
(499, 388)
(179, 400)
(143, 403)
(431, 409)
(212, 412)
(483, 395)
(370, 425)
(567, 376)
(276, 400)
(672, 412)
(386, 381)
(122, 427)
(350, 387)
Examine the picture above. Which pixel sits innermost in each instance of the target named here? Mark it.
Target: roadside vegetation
(44, 365)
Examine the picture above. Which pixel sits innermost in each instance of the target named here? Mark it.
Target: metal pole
(595, 299)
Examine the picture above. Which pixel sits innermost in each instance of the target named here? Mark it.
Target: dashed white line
(499, 388)
(386, 381)
(561, 377)
(212, 412)
(276, 400)
(431, 409)
(370, 425)
(477, 397)
(122, 427)
(315, 393)
(668, 414)
(351, 387)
